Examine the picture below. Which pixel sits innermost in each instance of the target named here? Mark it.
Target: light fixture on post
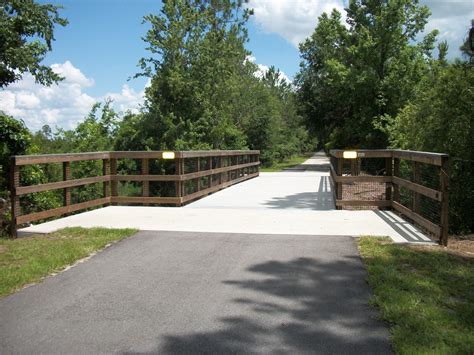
(349, 154)
(168, 155)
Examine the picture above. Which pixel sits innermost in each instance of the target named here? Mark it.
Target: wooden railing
(415, 184)
(192, 174)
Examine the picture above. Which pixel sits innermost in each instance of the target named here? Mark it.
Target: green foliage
(351, 77)
(424, 294)
(26, 35)
(440, 118)
(14, 140)
(203, 92)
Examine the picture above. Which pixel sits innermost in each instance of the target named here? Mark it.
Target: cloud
(294, 20)
(62, 105)
(452, 19)
(262, 70)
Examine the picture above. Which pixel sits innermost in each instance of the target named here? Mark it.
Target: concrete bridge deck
(298, 201)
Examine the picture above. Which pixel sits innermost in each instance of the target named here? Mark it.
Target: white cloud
(262, 69)
(452, 18)
(62, 105)
(294, 20)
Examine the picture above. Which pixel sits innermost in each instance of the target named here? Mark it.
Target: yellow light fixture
(168, 155)
(349, 154)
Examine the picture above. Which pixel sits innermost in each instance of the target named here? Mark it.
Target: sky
(98, 52)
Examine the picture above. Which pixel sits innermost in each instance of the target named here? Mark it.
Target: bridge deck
(298, 201)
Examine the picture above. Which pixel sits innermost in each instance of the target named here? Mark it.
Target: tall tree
(197, 49)
(351, 78)
(26, 35)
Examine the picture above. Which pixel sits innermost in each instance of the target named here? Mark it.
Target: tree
(440, 118)
(26, 35)
(352, 77)
(15, 139)
(197, 52)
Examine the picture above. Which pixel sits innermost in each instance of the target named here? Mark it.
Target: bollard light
(168, 155)
(349, 154)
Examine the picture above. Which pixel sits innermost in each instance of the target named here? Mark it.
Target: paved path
(298, 201)
(201, 293)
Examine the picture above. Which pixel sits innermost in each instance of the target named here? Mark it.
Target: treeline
(369, 83)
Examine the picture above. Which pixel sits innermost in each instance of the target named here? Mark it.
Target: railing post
(113, 183)
(15, 200)
(388, 172)
(106, 172)
(179, 170)
(416, 180)
(396, 187)
(339, 184)
(66, 190)
(145, 184)
(198, 169)
(444, 177)
(210, 168)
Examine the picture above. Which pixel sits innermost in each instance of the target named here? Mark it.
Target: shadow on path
(402, 227)
(322, 200)
(293, 307)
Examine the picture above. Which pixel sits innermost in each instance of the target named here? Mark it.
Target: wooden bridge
(363, 193)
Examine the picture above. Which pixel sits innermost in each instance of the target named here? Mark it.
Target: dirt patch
(460, 246)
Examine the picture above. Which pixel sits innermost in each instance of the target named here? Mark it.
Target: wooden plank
(106, 172)
(113, 173)
(59, 158)
(22, 190)
(430, 226)
(338, 172)
(151, 154)
(145, 171)
(217, 153)
(145, 178)
(203, 173)
(363, 178)
(444, 179)
(363, 153)
(420, 189)
(416, 179)
(361, 203)
(421, 157)
(15, 199)
(396, 173)
(146, 200)
(388, 172)
(61, 210)
(209, 190)
(66, 177)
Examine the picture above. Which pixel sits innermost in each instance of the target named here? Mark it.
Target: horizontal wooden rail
(393, 182)
(23, 190)
(222, 169)
(61, 210)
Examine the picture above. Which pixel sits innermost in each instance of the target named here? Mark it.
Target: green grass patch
(425, 293)
(27, 259)
(288, 163)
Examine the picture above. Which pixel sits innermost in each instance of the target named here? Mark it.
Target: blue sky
(103, 39)
(99, 50)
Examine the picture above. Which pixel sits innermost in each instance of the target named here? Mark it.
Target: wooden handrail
(238, 169)
(393, 181)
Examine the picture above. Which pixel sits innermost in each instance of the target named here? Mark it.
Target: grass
(28, 259)
(426, 295)
(289, 163)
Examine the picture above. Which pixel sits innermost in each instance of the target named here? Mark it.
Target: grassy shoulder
(288, 163)
(426, 294)
(28, 259)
